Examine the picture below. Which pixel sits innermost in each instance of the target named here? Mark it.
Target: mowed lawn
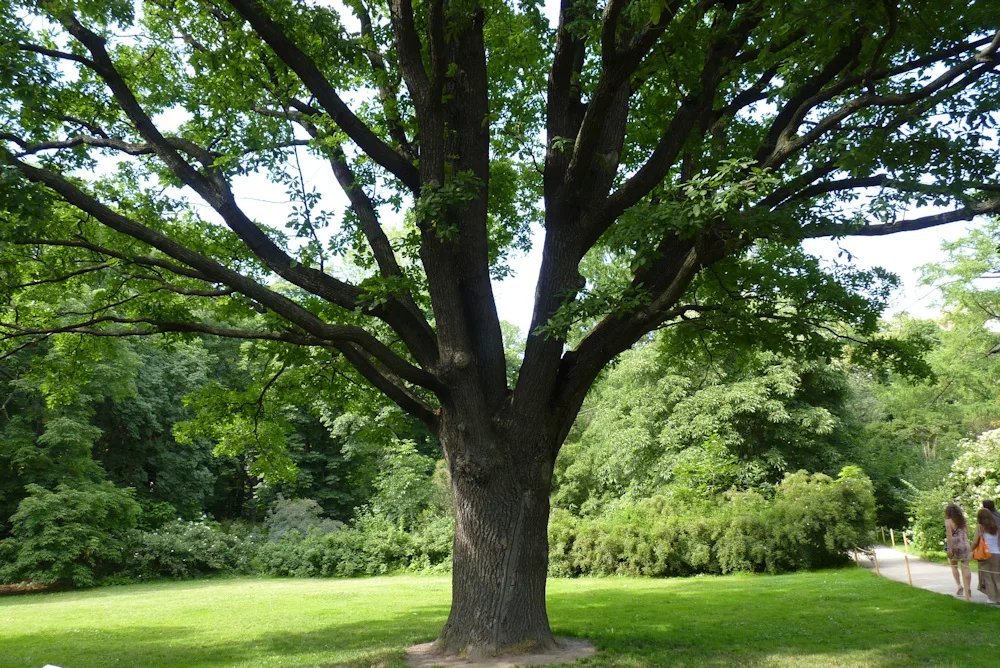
(843, 617)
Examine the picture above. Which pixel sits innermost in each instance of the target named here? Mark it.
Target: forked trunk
(500, 559)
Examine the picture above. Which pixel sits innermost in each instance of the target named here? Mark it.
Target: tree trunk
(501, 556)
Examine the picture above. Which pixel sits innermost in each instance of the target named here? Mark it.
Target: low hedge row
(370, 546)
(811, 521)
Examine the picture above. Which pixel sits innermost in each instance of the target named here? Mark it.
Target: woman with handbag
(959, 552)
(990, 506)
(989, 559)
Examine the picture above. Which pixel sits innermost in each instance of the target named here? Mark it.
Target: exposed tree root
(567, 650)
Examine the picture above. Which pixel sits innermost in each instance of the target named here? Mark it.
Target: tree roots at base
(565, 651)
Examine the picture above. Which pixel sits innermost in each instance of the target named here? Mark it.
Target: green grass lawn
(831, 618)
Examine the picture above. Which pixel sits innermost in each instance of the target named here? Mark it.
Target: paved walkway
(926, 574)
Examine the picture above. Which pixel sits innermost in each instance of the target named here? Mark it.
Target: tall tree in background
(675, 152)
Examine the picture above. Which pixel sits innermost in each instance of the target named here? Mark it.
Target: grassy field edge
(843, 617)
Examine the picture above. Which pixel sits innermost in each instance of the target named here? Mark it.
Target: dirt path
(926, 574)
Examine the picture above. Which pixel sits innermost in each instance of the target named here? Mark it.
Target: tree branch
(216, 191)
(417, 334)
(355, 355)
(436, 46)
(180, 289)
(609, 28)
(411, 62)
(405, 399)
(154, 327)
(884, 181)
(361, 204)
(27, 344)
(280, 304)
(60, 278)
(101, 250)
(260, 398)
(693, 113)
(784, 145)
(847, 229)
(797, 106)
(871, 76)
(618, 65)
(130, 148)
(387, 87)
(218, 194)
(307, 70)
(580, 367)
(53, 53)
(564, 109)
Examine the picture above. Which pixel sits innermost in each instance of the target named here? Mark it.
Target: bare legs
(964, 581)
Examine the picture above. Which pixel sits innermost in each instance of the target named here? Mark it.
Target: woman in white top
(989, 569)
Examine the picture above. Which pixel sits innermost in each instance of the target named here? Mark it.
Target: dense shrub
(300, 515)
(378, 545)
(432, 544)
(345, 553)
(927, 520)
(72, 535)
(371, 546)
(155, 514)
(811, 522)
(631, 539)
(290, 556)
(816, 519)
(743, 533)
(188, 549)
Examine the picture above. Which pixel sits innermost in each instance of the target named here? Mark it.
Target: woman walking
(957, 538)
(989, 569)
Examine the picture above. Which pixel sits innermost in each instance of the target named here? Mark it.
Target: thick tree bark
(501, 548)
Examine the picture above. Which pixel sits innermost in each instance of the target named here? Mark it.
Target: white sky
(902, 254)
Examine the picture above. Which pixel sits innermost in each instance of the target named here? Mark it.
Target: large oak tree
(675, 153)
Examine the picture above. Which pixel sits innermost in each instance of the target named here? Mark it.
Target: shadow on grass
(376, 642)
(47, 594)
(828, 618)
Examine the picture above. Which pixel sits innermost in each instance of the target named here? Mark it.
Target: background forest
(183, 455)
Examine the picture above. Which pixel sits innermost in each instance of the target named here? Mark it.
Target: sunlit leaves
(692, 432)
(780, 298)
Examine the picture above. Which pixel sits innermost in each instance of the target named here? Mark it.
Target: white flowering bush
(188, 549)
(974, 476)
